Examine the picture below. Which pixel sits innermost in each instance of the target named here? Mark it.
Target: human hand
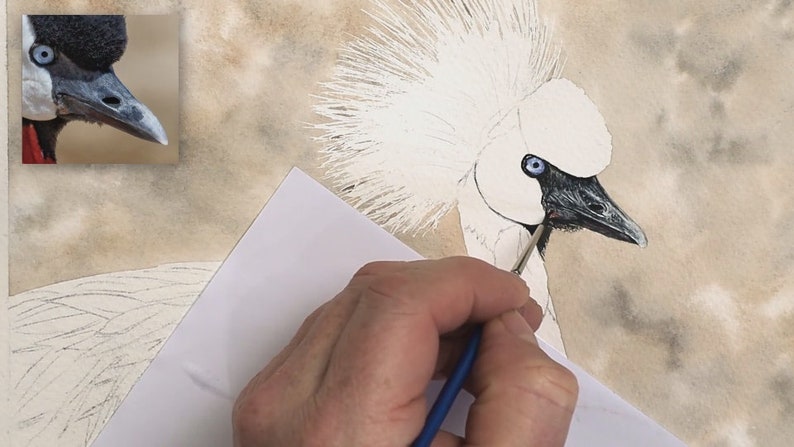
(355, 373)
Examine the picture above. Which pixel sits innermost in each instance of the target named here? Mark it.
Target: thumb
(521, 395)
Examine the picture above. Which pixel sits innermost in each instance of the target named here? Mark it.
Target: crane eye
(533, 166)
(42, 54)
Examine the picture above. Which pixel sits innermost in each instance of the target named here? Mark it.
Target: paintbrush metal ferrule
(521, 263)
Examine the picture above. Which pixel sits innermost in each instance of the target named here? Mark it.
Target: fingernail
(518, 326)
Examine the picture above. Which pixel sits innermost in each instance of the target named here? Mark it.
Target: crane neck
(488, 235)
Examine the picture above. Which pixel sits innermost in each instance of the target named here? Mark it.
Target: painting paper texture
(681, 111)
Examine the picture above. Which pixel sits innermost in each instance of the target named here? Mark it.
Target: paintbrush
(462, 369)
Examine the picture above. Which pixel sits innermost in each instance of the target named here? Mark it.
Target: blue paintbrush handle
(450, 390)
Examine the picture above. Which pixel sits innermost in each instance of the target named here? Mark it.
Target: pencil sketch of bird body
(79, 346)
(448, 104)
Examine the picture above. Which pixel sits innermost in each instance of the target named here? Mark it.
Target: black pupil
(535, 165)
(43, 54)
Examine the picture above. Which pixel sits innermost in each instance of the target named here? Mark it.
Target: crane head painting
(67, 75)
(459, 104)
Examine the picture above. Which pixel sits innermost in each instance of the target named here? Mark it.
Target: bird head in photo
(67, 75)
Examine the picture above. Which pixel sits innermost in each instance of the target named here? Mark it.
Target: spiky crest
(411, 103)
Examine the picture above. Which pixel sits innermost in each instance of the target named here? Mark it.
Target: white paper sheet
(300, 251)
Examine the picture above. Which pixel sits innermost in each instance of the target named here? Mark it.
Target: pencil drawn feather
(79, 346)
(412, 103)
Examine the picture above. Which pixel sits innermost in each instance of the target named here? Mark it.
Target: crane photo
(68, 75)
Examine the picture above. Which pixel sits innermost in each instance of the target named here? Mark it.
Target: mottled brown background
(697, 330)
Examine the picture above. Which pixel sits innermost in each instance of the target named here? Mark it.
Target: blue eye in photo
(42, 54)
(533, 166)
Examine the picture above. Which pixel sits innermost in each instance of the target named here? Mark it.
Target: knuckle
(468, 263)
(374, 268)
(388, 287)
(312, 317)
(249, 420)
(260, 402)
(471, 268)
(263, 413)
(247, 404)
(551, 382)
(391, 294)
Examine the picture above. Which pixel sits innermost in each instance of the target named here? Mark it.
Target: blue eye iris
(43, 55)
(533, 166)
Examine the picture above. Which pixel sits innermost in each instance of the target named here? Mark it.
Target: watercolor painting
(68, 76)
(446, 104)
(682, 121)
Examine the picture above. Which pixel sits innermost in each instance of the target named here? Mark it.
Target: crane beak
(572, 203)
(101, 97)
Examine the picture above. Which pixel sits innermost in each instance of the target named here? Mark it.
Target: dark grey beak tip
(641, 240)
(623, 227)
(619, 226)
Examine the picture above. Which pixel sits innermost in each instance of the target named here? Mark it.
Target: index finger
(451, 291)
(386, 355)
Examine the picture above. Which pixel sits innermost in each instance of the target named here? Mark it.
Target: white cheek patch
(512, 197)
(557, 123)
(502, 184)
(37, 102)
(564, 127)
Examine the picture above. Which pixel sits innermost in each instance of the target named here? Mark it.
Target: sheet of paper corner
(300, 251)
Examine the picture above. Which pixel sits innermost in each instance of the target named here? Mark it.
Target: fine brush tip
(521, 263)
